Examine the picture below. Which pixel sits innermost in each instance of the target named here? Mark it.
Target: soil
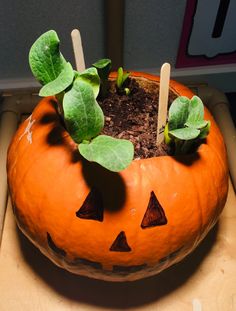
(134, 117)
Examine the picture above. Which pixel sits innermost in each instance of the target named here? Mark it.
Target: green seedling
(77, 93)
(120, 80)
(186, 128)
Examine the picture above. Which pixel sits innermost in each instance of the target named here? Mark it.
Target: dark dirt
(134, 117)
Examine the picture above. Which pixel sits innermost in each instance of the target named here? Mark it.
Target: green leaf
(197, 124)
(205, 131)
(83, 116)
(186, 133)
(186, 127)
(91, 76)
(102, 63)
(113, 154)
(178, 113)
(121, 77)
(58, 85)
(196, 113)
(125, 76)
(45, 59)
(104, 67)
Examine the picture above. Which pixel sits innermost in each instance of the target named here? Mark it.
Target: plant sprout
(186, 127)
(77, 93)
(120, 80)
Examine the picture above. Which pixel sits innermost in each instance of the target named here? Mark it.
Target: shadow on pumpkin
(191, 157)
(116, 295)
(109, 185)
(188, 159)
(57, 134)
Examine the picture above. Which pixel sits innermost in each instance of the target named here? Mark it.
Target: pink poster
(209, 34)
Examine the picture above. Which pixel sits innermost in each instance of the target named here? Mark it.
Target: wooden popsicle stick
(78, 50)
(163, 101)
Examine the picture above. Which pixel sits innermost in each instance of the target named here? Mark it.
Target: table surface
(204, 281)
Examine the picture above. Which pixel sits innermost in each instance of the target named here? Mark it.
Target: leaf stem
(178, 145)
(186, 146)
(59, 98)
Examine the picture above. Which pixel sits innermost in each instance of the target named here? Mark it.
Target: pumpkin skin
(113, 226)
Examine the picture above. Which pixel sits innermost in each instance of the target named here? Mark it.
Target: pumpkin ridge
(39, 156)
(213, 178)
(34, 161)
(16, 141)
(222, 159)
(26, 146)
(199, 203)
(23, 127)
(216, 153)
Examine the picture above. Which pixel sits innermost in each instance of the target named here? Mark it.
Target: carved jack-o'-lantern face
(92, 209)
(112, 226)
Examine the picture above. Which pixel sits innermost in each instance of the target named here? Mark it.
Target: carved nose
(120, 244)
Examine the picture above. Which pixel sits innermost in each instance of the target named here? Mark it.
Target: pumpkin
(113, 226)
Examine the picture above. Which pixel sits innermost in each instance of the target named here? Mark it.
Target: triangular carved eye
(120, 244)
(154, 215)
(92, 208)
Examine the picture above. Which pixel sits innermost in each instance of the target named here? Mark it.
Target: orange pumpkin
(113, 226)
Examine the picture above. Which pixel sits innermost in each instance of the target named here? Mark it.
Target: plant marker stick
(78, 50)
(163, 101)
